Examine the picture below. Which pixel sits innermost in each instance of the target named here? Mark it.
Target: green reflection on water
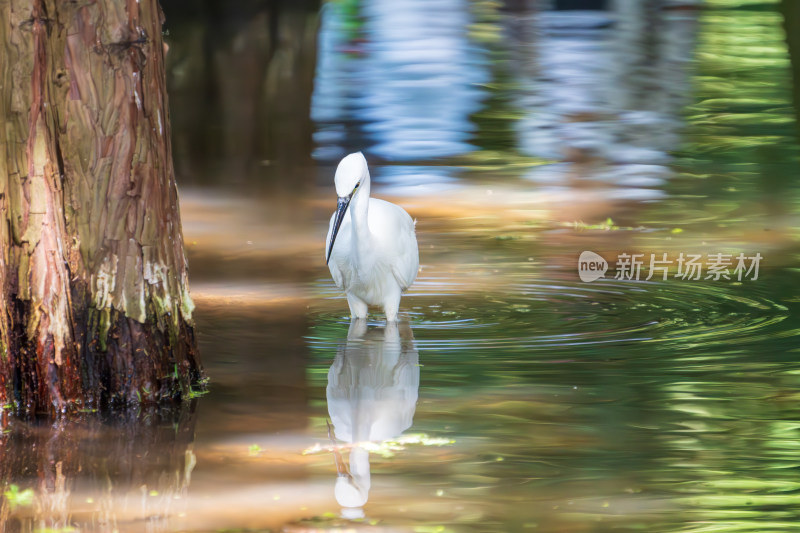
(740, 151)
(659, 406)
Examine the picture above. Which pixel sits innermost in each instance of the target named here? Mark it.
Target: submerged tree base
(162, 368)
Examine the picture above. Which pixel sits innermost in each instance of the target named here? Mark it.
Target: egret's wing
(332, 265)
(406, 273)
(393, 229)
(406, 267)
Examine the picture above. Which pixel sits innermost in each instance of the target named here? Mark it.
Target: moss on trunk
(92, 273)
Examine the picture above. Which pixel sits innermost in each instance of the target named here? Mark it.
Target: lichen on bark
(92, 269)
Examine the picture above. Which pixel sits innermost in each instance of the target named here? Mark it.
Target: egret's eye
(356, 187)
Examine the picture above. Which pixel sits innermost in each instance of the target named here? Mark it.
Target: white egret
(371, 247)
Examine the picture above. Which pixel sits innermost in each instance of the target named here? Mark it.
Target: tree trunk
(92, 270)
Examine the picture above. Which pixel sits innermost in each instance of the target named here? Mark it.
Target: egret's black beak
(341, 209)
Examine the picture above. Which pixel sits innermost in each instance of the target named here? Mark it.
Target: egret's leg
(391, 305)
(358, 308)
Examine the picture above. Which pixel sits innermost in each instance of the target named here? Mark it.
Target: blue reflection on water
(595, 92)
(412, 180)
(402, 86)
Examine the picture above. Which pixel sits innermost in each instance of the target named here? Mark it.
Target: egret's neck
(359, 212)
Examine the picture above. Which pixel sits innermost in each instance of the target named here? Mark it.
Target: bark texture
(92, 271)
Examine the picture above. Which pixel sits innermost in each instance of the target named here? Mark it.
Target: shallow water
(513, 396)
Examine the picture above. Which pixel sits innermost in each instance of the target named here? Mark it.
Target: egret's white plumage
(372, 255)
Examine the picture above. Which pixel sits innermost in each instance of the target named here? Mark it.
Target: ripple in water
(543, 315)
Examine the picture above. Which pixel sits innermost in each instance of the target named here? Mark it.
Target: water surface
(512, 396)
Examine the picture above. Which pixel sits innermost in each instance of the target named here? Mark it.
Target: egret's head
(350, 174)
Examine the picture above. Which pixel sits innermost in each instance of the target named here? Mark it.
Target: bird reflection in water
(372, 395)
